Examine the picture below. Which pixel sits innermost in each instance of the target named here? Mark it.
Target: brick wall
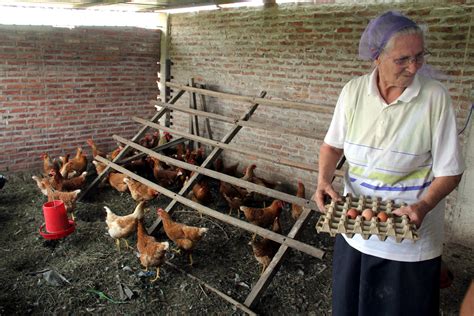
(59, 87)
(302, 53)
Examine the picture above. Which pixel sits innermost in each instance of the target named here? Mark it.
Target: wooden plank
(224, 177)
(213, 289)
(191, 124)
(122, 153)
(270, 102)
(169, 144)
(257, 125)
(204, 109)
(241, 150)
(290, 242)
(214, 153)
(265, 279)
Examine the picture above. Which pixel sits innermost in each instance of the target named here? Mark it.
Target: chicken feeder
(57, 225)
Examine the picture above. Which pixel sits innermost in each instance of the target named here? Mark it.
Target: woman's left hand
(415, 212)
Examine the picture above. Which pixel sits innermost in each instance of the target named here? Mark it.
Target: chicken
(140, 192)
(48, 163)
(234, 195)
(95, 151)
(296, 210)
(184, 236)
(263, 217)
(165, 177)
(115, 179)
(58, 182)
(250, 176)
(146, 141)
(201, 191)
(120, 227)
(77, 164)
(42, 183)
(68, 198)
(115, 152)
(265, 249)
(152, 252)
(165, 138)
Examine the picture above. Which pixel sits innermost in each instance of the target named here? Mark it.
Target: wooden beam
(308, 249)
(257, 125)
(204, 109)
(265, 279)
(277, 103)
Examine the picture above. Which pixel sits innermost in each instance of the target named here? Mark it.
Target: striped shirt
(394, 151)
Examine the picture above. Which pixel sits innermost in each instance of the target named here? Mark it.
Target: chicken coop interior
(214, 114)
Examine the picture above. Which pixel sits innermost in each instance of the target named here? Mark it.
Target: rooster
(140, 192)
(123, 226)
(184, 236)
(296, 210)
(263, 217)
(265, 249)
(152, 252)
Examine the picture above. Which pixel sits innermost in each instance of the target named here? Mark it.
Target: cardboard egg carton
(335, 220)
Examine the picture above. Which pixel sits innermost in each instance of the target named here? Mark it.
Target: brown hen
(152, 252)
(140, 192)
(296, 210)
(184, 236)
(265, 249)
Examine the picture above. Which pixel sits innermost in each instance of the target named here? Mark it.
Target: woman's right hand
(324, 189)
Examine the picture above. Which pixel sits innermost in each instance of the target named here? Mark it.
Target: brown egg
(352, 213)
(382, 216)
(367, 214)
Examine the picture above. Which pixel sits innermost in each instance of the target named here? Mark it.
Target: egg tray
(335, 220)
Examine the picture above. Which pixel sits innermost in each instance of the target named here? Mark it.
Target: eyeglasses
(418, 59)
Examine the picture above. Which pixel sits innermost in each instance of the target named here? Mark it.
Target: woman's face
(397, 66)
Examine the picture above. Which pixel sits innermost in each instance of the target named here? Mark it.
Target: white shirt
(394, 151)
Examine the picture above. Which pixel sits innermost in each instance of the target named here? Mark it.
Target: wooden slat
(277, 103)
(204, 109)
(220, 176)
(257, 125)
(290, 242)
(265, 279)
(213, 289)
(248, 152)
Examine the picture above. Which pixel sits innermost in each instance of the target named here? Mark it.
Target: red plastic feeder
(57, 223)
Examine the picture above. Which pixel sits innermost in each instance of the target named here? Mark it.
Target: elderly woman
(397, 129)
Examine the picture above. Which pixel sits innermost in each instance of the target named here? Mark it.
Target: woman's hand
(324, 189)
(415, 212)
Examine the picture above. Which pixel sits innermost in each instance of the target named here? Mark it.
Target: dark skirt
(366, 285)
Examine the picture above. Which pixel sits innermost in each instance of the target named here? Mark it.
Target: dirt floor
(84, 273)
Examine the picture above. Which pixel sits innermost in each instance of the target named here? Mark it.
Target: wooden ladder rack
(288, 241)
